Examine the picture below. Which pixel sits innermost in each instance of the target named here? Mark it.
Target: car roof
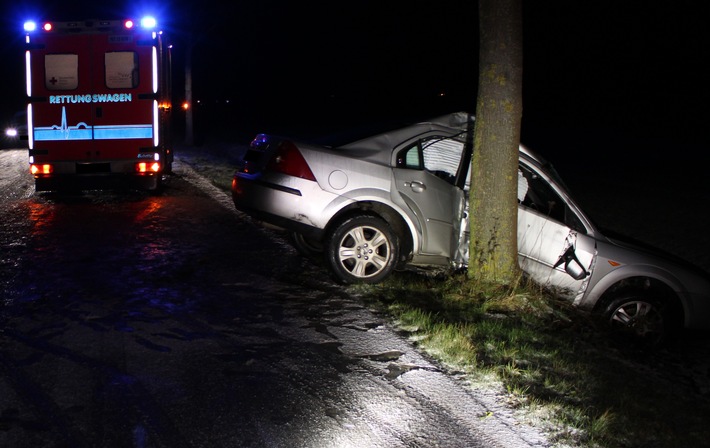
(452, 124)
(380, 145)
(377, 145)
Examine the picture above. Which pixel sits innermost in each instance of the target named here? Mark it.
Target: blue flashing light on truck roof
(146, 23)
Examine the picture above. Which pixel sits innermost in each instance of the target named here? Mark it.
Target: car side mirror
(575, 269)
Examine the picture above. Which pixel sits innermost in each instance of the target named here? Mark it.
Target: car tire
(636, 316)
(305, 246)
(362, 249)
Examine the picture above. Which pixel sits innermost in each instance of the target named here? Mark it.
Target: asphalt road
(137, 320)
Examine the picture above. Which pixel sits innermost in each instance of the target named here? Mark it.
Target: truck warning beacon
(98, 110)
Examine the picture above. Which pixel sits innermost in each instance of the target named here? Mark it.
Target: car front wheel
(644, 319)
(362, 249)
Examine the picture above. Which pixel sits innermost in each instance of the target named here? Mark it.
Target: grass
(556, 366)
(216, 164)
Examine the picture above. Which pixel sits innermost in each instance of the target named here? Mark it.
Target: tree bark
(493, 198)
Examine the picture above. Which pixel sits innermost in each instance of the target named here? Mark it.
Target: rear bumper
(282, 223)
(95, 175)
(97, 182)
(298, 207)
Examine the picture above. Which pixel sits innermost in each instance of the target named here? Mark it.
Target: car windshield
(551, 171)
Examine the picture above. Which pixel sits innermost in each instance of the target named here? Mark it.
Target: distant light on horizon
(30, 26)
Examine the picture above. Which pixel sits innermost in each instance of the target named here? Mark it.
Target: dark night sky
(595, 72)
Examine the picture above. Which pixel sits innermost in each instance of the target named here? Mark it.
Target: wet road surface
(137, 320)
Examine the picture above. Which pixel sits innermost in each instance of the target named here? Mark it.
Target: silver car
(400, 199)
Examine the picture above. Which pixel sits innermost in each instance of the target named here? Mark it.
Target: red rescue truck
(98, 103)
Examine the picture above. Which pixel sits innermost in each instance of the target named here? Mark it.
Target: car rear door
(425, 176)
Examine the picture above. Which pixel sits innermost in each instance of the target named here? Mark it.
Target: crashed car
(400, 199)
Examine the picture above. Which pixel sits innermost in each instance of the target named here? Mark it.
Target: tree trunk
(493, 199)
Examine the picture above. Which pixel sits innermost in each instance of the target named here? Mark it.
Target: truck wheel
(362, 249)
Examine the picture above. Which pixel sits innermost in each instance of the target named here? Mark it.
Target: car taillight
(289, 160)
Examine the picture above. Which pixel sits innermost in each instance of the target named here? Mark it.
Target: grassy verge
(216, 163)
(556, 366)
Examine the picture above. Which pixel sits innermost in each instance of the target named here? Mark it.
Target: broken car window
(439, 156)
(535, 192)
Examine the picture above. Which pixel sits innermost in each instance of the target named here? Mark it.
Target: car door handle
(415, 186)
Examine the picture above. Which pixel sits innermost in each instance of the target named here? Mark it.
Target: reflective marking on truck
(127, 131)
(89, 98)
(79, 132)
(82, 131)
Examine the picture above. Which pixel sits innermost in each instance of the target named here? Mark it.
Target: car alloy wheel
(635, 316)
(362, 249)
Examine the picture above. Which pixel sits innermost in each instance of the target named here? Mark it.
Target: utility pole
(189, 129)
